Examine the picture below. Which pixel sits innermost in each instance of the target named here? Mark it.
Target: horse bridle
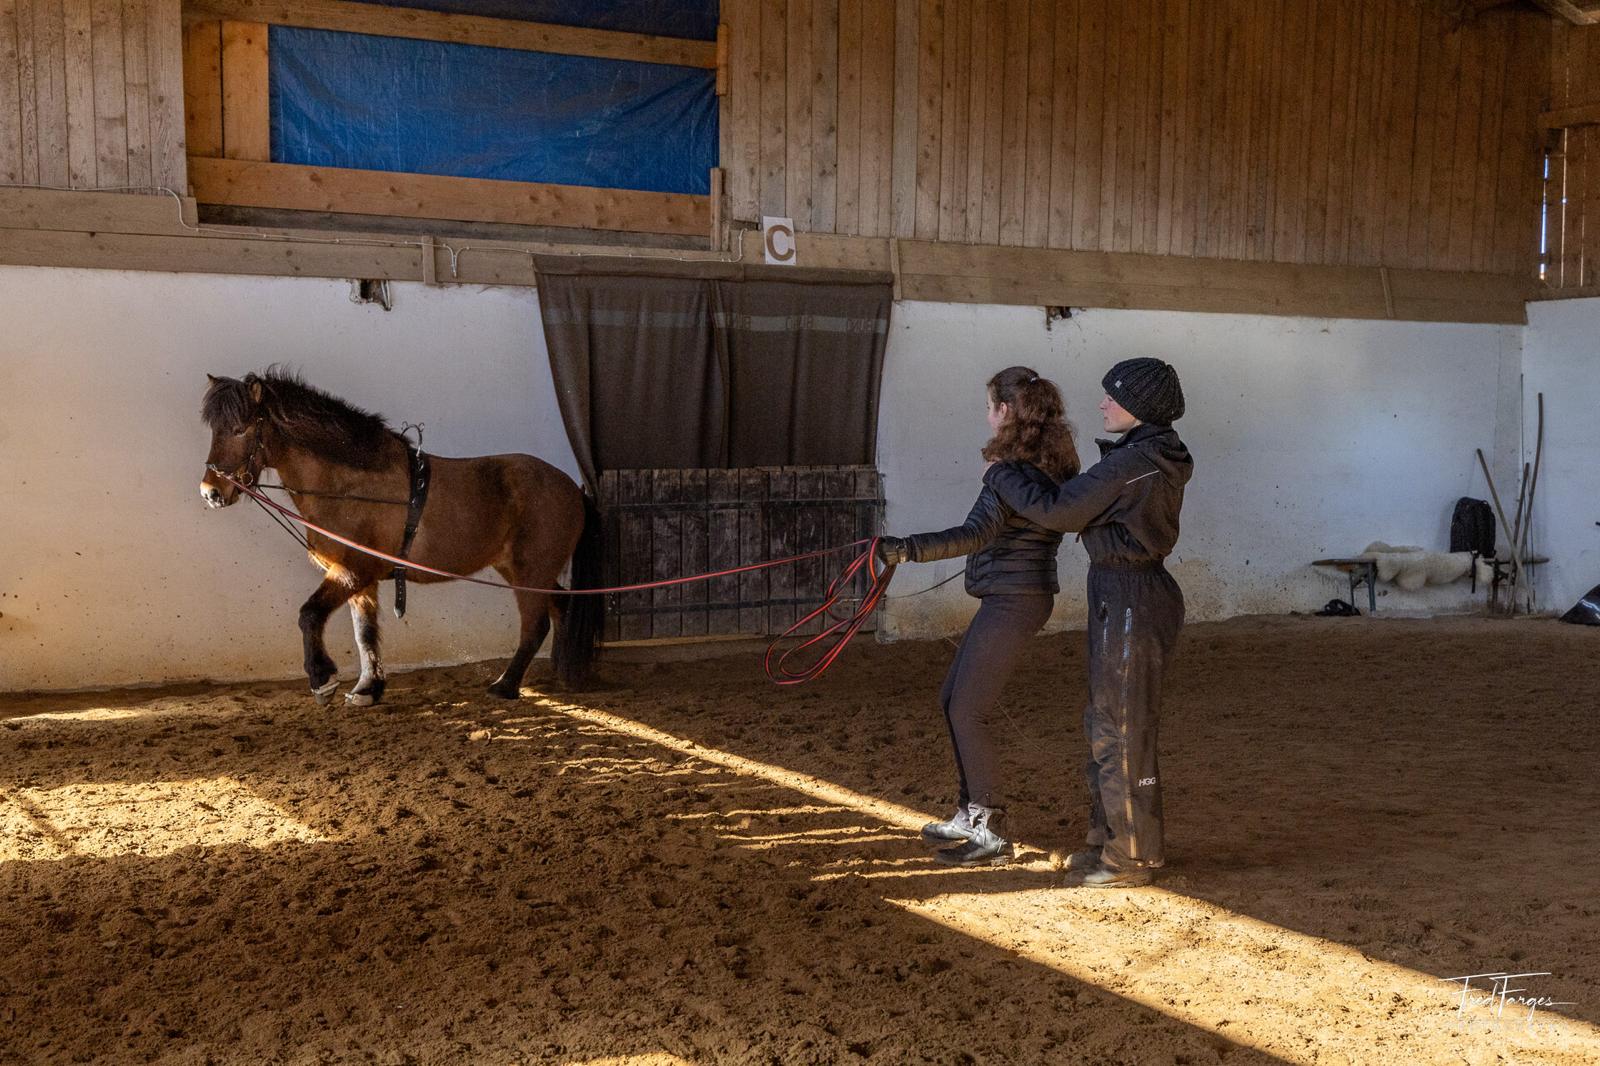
(242, 473)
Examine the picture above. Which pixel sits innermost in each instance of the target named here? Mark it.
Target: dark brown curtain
(707, 365)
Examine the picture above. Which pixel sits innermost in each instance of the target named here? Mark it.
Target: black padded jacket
(1006, 553)
(1125, 506)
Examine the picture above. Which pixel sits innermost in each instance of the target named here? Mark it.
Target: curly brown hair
(1037, 430)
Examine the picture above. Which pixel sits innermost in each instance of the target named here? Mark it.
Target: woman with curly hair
(1011, 569)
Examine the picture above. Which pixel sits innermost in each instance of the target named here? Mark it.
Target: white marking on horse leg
(358, 621)
(325, 693)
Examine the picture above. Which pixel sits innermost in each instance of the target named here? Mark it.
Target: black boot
(985, 847)
(957, 827)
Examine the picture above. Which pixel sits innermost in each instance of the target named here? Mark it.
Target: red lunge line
(842, 629)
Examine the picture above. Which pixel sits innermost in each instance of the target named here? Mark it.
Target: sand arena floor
(686, 865)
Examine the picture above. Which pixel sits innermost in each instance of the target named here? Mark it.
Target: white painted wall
(1312, 437)
(1561, 358)
(112, 572)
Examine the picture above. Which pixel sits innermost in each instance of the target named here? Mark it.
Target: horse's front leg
(364, 616)
(320, 668)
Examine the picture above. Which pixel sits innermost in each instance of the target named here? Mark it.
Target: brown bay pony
(348, 472)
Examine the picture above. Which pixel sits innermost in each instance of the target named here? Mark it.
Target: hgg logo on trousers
(1143, 781)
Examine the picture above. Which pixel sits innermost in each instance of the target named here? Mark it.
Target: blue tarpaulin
(425, 107)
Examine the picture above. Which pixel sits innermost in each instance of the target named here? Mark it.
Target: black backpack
(1472, 527)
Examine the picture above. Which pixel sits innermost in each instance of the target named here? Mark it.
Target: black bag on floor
(1586, 612)
(1472, 527)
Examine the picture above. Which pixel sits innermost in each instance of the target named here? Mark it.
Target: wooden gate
(673, 523)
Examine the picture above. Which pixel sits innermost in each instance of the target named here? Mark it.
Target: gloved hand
(892, 551)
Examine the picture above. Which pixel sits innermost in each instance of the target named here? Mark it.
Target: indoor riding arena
(663, 532)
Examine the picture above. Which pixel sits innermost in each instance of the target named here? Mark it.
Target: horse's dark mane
(302, 414)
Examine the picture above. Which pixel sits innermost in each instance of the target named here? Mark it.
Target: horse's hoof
(506, 692)
(325, 693)
(359, 699)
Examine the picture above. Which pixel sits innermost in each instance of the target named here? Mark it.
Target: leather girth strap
(417, 461)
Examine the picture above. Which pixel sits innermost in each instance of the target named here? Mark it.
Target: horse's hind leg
(320, 668)
(534, 608)
(364, 616)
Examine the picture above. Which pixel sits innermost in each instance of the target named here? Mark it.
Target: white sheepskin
(1411, 567)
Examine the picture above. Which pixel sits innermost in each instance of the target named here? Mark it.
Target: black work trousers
(1134, 619)
(988, 653)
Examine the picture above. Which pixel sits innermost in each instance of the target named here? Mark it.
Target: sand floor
(686, 864)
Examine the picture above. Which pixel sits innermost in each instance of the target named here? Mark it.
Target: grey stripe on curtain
(706, 365)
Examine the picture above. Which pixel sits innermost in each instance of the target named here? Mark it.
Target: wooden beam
(374, 192)
(51, 209)
(1568, 117)
(1566, 9)
(458, 29)
(246, 120)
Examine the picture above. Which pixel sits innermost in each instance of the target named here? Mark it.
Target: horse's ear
(211, 379)
(255, 392)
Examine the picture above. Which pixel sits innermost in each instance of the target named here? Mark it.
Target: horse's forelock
(226, 406)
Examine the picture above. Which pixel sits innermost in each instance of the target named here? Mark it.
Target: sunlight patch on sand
(1297, 997)
(148, 818)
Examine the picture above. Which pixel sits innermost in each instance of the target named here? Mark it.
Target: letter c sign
(777, 241)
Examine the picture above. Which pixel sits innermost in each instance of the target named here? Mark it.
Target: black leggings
(995, 640)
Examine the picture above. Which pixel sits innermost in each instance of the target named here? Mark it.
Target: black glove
(892, 551)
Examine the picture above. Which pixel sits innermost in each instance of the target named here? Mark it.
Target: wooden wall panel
(1359, 132)
(80, 93)
(1572, 200)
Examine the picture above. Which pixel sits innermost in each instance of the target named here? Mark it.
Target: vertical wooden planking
(1014, 119)
(798, 164)
(79, 84)
(1289, 141)
(202, 87)
(1522, 153)
(1231, 221)
(930, 90)
(1363, 97)
(1577, 171)
(1458, 249)
(993, 121)
(50, 92)
(1267, 47)
(637, 553)
(953, 102)
(753, 586)
(1318, 126)
(110, 94)
(136, 73)
(1491, 109)
(1169, 162)
(810, 534)
(1147, 222)
(782, 581)
(1219, 130)
(10, 97)
(1437, 248)
(903, 222)
(1590, 275)
(745, 69)
(975, 27)
(610, 550)
(825, 114)
(878, 57)
(847, 216)
(164, 42)
(666, 551)
(1064, 131)
(27, 117)
(774, 107)
(1429, 87)
(722, 551)
(1089, 129)
(839, 487)
(694, 548)
(246, 121)
(1404, 109)
(1036, 143)
(1138, 94)
(1111, 119)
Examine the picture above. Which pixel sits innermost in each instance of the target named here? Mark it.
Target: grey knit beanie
(1147, 389)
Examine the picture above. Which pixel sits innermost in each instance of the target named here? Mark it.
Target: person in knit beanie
(1125, 509)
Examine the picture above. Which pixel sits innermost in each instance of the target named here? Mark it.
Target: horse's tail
(578, 630)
